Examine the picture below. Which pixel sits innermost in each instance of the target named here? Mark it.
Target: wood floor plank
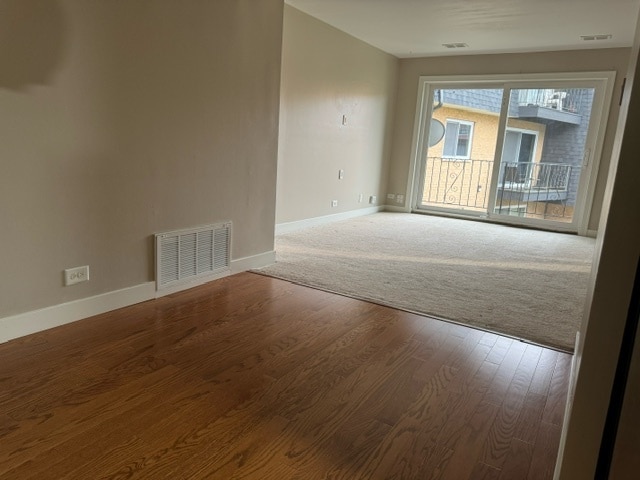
(557, 397)
(251, 377)
(530, 418)
(45, 386)
(499, 350)
(467, 416)
(7, 426)
(506, 370)
(406, 446)
(249, 447)
(99, 467)
(499, 439)
(545, 451)
(544, 371)
(482, 471)
(73, 454)
(298, 444)
(489, 339)
(423, 415)
(466, 449)
(518, 460)
(40, 434)
(393, 398)
(346, 457)
(390, 401)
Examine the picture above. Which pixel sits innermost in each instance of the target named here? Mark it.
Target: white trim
(523, 79)
(311, 222)
(38, 320)
(254, 261)
(592, 233)
(568, 405)
(601, 106)
(534, 152)
(394, 208)
(191, 283)
(503, 119)
(418, 147)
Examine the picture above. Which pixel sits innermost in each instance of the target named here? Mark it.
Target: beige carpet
(523, 283)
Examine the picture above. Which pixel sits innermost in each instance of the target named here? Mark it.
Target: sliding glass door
(518, 151)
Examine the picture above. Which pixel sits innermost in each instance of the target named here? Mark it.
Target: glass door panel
(543, 152)
(457, 166)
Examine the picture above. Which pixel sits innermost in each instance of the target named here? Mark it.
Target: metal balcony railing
(566, 100)
(464, 184)
(533, 175)
(461, 183)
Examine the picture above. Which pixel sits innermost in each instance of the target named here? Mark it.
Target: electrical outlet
(391, 196)
(340, 174)
(334, 203)
(76, 275)
(344, 119)
(400, 198)
(360, 198)
(373, 199)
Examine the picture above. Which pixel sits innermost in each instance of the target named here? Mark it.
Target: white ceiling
(418, 28)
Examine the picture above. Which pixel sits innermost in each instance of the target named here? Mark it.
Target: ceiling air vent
(186, 255)
(455, 45)
(588, 38)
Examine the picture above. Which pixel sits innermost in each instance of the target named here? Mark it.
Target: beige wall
(327, 74)
(617, 253)
(120, 119)
(574, 61)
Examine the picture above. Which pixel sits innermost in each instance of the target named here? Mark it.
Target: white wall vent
(190, 254)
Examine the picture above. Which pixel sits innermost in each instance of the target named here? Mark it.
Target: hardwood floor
(250, 377)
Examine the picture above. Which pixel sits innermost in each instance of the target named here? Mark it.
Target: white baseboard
(37, 320)
(397, 209)
(568, 403)
(187, 284)
(592, 233)
(311, 222)
(254, 261)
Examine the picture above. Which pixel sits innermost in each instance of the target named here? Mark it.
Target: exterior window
(457, 139)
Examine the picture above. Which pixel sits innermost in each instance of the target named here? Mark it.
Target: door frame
(602, 82)
(522, 131)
